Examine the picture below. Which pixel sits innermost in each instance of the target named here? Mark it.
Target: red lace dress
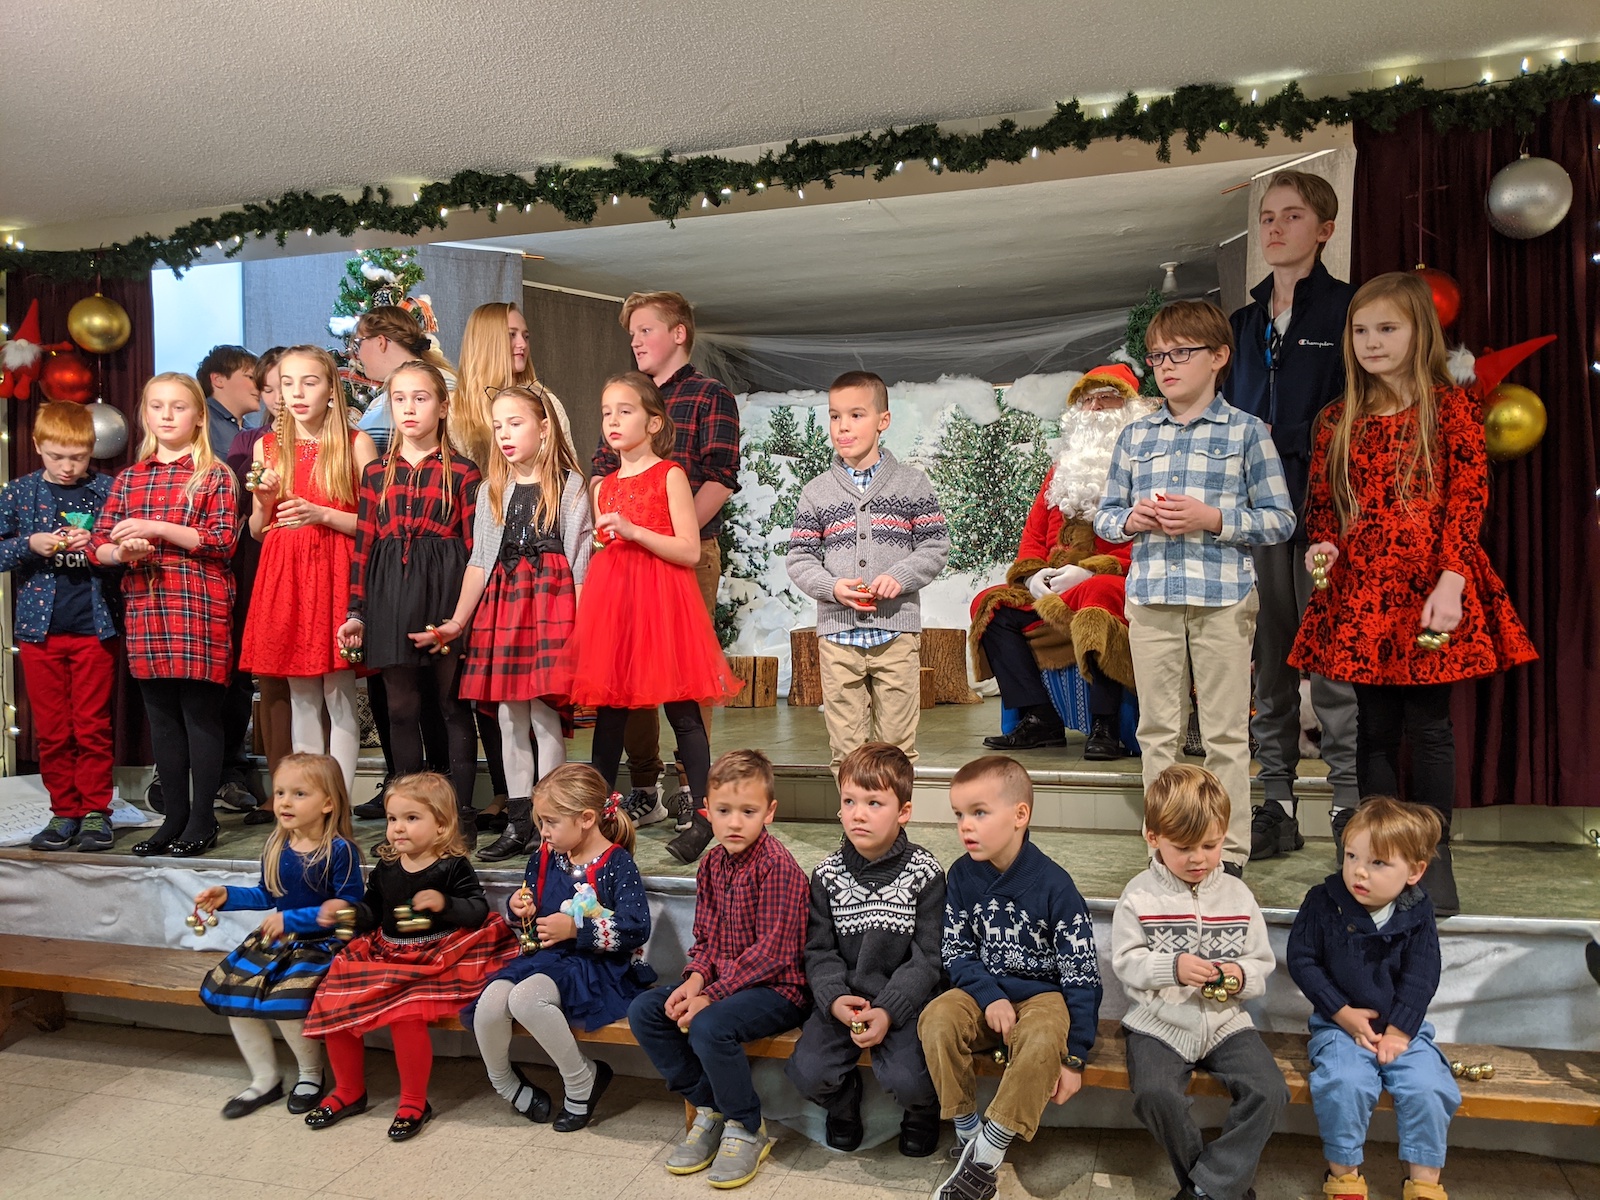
(642, 636)
(1364, 627)
(302, 589)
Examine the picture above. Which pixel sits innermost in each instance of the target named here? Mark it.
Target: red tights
(413, 1055)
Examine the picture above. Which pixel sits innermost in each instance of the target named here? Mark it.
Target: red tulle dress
(642, 636)
(302, 588)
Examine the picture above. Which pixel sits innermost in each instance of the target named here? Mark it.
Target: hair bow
(610, 809)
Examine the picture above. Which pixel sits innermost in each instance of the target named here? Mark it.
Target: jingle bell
(192, 921)
(1474, 1074)
(1486, 1071)
(857, 1027)
(1319, 572)
(1000, 1057)
(1458, 1069)
(211, 920)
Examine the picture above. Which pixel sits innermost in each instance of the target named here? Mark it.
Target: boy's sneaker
(971, 1180)
(682, 806)
(57, 835)
(237, 797)
(1273, 832)
(1344, 1187)
(689, 845)
(644, 807)
(698, 1150)
(95, 832)
(741, 1155)
(1414, 1189)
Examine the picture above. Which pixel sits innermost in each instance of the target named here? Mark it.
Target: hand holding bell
(200, 920)
(1319, 572)
(1430, 639)
(406, 921)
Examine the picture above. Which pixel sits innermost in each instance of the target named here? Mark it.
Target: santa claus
(1061, 603)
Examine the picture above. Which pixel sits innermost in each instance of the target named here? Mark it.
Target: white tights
(516, 717)
(307, 695)
(254, 1037)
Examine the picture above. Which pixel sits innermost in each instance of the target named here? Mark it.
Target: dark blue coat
(27, 508)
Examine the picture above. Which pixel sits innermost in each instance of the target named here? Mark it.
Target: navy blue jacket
(1308, 373)
(27, 508)
(1337, 956)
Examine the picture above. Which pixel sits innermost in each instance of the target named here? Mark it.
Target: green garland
(671, 185)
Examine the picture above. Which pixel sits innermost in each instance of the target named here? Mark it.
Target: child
(405, 976)
(531, 542)
(1194, 486)
(587, 966)
(305, 517)
(642, 636)
(413, 535)
(1399, 482)
(173, 516)
(872, 957)
(745, 978)
(868, 536)
(64, 628)
(310, 857)
(1365, 951)
(1019, 949)
(1184, 925)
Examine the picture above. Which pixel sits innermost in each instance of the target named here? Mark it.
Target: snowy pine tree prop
(986, 477)
(374, 277)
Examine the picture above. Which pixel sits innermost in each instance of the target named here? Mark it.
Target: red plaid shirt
(414, 508)
(750, 914)
(179, 603)
(707, 421)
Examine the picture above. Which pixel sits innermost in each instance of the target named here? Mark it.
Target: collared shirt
(750, 921)
(222, 427)
(862, 478)
(1221, 456)
(414, 507)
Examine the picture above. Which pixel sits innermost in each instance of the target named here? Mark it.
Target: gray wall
(576, 343)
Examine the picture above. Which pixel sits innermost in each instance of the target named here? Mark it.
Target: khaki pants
(952, 1029)
(1172, 644)
(871, 694)
(641, 738)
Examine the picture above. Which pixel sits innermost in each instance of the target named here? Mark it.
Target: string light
(614, 199)
(415, 196)
(801, 192)
(900, 166)
(705, 202)
(1524, 66)
(761, 185)
(444, 212)
(1252, 95)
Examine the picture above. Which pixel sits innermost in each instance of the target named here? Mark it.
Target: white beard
(1088, 438)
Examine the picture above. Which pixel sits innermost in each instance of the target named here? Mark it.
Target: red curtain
(121, 375)
(1531, 736)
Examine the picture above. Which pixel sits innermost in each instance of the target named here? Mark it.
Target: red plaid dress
(178, 604)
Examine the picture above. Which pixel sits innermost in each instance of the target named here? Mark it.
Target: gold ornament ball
(1514, 422)
(99, 325)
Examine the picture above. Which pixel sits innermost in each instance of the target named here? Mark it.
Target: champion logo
(1309, 342)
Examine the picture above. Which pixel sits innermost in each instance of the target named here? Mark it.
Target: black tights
(1420, 713)
(186, 720)
(406, 688)
(694, 748)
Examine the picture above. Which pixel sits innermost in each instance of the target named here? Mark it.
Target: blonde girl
(494, 356)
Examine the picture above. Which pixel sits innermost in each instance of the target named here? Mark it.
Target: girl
(586, 971)
(305, 516)
(310, 857)
(1398, 486)
(414, 531)
(643, 637)
(404, 976)
(531, 547)
(173, 516)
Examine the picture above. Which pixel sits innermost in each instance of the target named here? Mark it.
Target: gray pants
(1284, 586)
(825, 1055)
(1159, 1079)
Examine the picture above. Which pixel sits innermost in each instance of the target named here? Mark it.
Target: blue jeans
(1346, 1082)
(707, 1066)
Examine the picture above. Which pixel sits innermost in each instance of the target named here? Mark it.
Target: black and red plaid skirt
(521, 643)
(377, 980)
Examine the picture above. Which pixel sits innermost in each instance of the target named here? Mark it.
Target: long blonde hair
(1365, 394)
(327, 777)
(486, 368)
(200, 446)
(573, 789)
(434, 792)
(555, 459)
(391, 460)
(336, 463)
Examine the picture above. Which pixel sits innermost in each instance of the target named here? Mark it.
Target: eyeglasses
(1178, 354)
(355, 342)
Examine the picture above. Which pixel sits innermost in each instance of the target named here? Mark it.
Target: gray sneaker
(95, 833)
(682, 806)
(741, 1155)
(644, 807)
(699, 1146)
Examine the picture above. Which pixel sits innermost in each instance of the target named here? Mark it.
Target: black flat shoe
(300, 1103)
(322, 1116)
(153, 846)
(570, 1122)
(240, 1107)
(509, 844)
(539, 1108)
(403, 1129)
(193, 849)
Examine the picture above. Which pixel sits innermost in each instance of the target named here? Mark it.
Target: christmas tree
(373, 278)
(1133, 349)
(986, 477)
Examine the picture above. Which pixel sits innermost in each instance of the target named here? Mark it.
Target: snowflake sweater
(874, 929)
(841, 532)
(1020, 933)
(1160, 917)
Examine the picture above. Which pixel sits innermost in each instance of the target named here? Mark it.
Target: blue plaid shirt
(864, 637)
(1222, 456)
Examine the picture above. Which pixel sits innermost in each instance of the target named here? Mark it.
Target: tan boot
(1417, 1190)
(1345, 1187)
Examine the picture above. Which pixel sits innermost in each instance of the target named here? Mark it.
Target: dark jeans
(707, 1066)
(186, 720)
(694, 748)
(1017, 671)
(825, 1056)
(1420, 715)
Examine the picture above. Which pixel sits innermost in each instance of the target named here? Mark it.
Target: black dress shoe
(241, 1107)
(403, 1129)
(1033, 732)
(371, 810)
(538, 1110)
(689, 845)
(152, 846)
(194, 848)
(260, 816)
(1234, 869)
(919, 1133)
(571, 1122)
(508, 845)
(300, 1103)
(844, 1129)
(1104, 744)
(322, 1116)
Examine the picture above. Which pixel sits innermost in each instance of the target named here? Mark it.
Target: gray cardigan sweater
(841, 532)
(575, 520)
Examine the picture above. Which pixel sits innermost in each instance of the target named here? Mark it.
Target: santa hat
(1113, 375)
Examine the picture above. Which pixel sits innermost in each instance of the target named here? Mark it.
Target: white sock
(994, 1140)
(307, 1052)
(1288, 805)
(254, 1038)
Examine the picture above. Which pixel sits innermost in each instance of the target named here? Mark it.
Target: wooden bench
(1549, 1087)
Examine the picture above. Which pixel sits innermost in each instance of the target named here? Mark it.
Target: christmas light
(614, 199)
(761, 185)
(1524, 66)
(900, 166)
(801, 192)
(415, 196)
(1252, 95)
(704, 202)
(1034, 153)
(444, 212)
(727, 191)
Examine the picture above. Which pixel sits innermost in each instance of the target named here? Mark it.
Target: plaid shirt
(179, 603)
(1223, 457)
(414, 508)
(707, 420)
(750, 915)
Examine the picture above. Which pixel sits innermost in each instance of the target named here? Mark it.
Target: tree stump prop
(760, 675)
(930, 690)
(945, 652)
(805, 668)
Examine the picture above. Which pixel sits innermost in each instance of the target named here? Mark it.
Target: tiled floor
(109, 1111)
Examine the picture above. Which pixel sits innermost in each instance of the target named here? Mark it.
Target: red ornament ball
(1446, 294)
(67, 378)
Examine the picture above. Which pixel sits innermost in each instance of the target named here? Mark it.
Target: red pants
(68, 677)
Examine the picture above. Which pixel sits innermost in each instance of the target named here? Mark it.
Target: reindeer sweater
(1022, 932)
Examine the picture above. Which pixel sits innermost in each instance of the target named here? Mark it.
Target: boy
(1019, 949)
(745, 978)
(868, 536)
(1290, 367)
(64, 627)
(1365, 951)
(872, 957)
(1182, 927)
(1195, 485)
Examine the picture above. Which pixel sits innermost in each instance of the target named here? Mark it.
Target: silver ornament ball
(1529, 198)
(110, 430)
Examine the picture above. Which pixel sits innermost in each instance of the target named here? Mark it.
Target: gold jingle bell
(99, 325)
(1458, 1069)
(1486, 1071)
(1001, 1057)
(1431, 640)
(405, 921)
(1319, 572)
(1474, 1074)
(351, 654)
(345, 927)
(858, 1027)
(252, 477)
